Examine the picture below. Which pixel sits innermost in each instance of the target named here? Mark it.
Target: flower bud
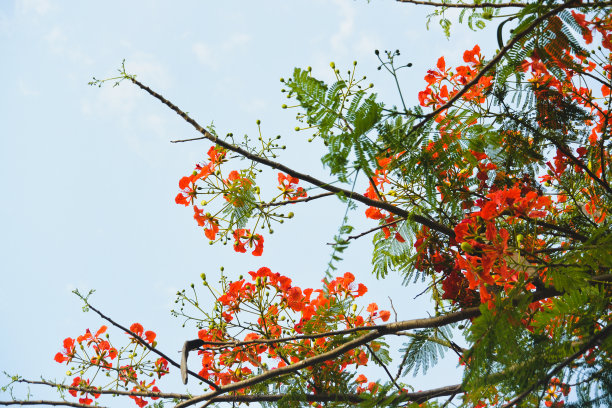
(465, 246)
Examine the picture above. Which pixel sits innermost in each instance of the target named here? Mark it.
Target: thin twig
(372, 230)
(393, 307)
(151, 348)
(91, 390)
(299, 200)
(378, 360)
(43, 402)
(595, 340)
(491, 64)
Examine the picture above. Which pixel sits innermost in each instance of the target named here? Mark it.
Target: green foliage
(424, 350)
(343, 116)
(392, 255)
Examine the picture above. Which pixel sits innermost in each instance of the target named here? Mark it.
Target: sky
(89, 174)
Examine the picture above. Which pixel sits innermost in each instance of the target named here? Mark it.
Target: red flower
(384, 315)
(68, 353)
(470, 56)
(150, 336)
(206, 219)
(188, 193)
(137, 329)
(243, 237)
(288, 186)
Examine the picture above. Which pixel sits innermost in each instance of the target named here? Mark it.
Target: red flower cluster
(82, 383)
(379, 181)
(292, 309)
(288, 187)
(436, 94)
(100, 355)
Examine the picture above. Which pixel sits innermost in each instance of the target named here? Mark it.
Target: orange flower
(68, 353)
(206, 219)
(243, 237)
(288, 186)
(137, 329)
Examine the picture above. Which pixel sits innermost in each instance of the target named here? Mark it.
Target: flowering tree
(495, 189)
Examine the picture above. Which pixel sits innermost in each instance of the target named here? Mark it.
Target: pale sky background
(89, 177)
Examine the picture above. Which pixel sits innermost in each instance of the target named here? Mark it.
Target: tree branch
(434, 225)
(151, 348)
(491, 64)
(43, 402)
(464, 5)
(299, 200)
(91, 390)
(595, 341)
(491, 5)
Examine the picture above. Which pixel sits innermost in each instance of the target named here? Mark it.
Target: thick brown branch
(491, 5)
(464, 5)
(338, 351)
(420, 396)
(434, 225)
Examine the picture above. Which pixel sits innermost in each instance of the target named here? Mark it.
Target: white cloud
(338, 41)
(59, 44)
(56, 39)
(39, 7)
(205, 55)
(211, 56)
(254, 106)
(25, 88)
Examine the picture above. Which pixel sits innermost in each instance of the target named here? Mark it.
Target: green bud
(332, 64)
(258, 122)
(297, 128)
(68, 373)
(465, 246)
(203, 276)
(354, 307)
(284, 106)
(290, 215)
(282, 79)
(519, 238)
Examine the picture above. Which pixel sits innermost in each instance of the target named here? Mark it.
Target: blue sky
(89, 176)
